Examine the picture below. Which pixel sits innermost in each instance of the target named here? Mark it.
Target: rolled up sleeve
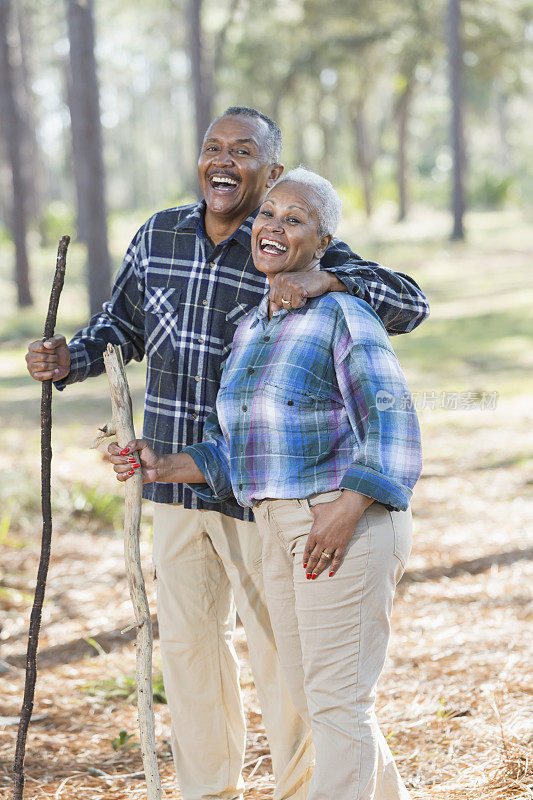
(387, 459)
(212, 459)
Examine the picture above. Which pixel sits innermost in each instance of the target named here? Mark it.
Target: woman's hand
(125, 463)
(332, 529)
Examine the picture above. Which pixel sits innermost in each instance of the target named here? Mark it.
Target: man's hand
(49, 359)
(332, 529)
(297, 287)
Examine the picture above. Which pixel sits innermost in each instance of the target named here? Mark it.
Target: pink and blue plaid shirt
(310, 401)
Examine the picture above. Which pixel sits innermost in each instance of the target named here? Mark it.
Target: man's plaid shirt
(177, 300)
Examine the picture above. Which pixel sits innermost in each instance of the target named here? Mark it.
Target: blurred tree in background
(364, 93)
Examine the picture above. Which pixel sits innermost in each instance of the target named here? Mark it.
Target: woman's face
(285, 232)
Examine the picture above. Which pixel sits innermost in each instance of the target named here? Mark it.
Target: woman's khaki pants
(332, 636)
(206, 564)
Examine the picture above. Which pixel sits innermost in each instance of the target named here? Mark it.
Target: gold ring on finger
(325, 555)
(286, 302)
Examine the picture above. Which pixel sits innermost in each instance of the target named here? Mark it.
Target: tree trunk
(13, 131)
(503, 126)
(201, 78)
(363, 158)
(87, 149)
(403, 109)
(455, 56)
(33, 166)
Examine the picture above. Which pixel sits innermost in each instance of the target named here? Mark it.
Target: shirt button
(251, 370)
(240, 486)
(195, 415)
(197, 378)
(201, 339)
(267, 339)
(204, 302)
(290, 403)
(245, 408)
(212, 264)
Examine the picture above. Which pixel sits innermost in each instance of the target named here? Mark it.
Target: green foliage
(58, 219)
(122, 741)
(5, 539)
(124, 687)
(97, 646)
(97, 504)
(491, 190)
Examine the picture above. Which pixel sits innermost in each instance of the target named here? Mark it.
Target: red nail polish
(136, 466)
(305, 564)
(131, 461)
(313, 576)
(331, 574)
(125, 451)
(131, 473)
(308, 577)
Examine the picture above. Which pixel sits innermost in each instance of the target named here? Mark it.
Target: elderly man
(186, 281)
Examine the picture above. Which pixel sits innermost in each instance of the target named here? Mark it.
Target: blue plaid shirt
(310, 401)
(177, 300)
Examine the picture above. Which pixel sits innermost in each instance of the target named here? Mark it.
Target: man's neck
(218, 229)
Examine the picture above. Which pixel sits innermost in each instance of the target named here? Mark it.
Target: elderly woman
(313, 428)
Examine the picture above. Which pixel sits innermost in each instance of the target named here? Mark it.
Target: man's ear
(274, 174)
(325, 242)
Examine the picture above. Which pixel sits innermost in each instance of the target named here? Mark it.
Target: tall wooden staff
(46, 463)
(123, 427)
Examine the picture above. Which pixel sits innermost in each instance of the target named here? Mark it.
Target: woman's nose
(275, 225)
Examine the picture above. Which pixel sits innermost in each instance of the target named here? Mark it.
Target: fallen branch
(107, 776)
(123, 425)
(46, 540)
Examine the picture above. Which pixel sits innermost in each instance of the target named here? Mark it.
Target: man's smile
(221, 182)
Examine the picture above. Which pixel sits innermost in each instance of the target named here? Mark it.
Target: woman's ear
(325, 242)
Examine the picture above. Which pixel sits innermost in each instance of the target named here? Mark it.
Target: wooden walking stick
(123, 427)
(46, 463)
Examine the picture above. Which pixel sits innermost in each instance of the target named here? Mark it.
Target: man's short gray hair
(329, 206)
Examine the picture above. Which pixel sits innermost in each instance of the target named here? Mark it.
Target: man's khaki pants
(206, 565)
(332, 636)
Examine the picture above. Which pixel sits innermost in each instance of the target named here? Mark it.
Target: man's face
(234, 169)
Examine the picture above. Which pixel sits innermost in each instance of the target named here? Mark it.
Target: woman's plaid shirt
(177, 300)
(310, 401)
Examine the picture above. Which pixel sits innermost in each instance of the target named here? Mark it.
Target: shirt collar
(194, 220)
(261, 311)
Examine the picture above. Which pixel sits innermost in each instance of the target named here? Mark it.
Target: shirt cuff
(367, 481)
(215, 470)
(79, 366)
(353, 283)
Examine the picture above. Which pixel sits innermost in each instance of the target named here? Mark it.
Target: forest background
(420, 113)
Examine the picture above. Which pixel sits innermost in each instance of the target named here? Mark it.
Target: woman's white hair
(329, 206)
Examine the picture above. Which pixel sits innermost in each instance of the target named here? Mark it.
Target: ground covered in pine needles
(455, 698)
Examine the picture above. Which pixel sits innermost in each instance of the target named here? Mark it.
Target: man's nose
(222, 158)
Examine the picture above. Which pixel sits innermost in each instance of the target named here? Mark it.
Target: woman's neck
(311, 267)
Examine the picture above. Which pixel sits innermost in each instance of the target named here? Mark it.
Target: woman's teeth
(270, 246)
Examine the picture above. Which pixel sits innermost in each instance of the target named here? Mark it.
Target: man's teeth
(223, 179)
(271, 243)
